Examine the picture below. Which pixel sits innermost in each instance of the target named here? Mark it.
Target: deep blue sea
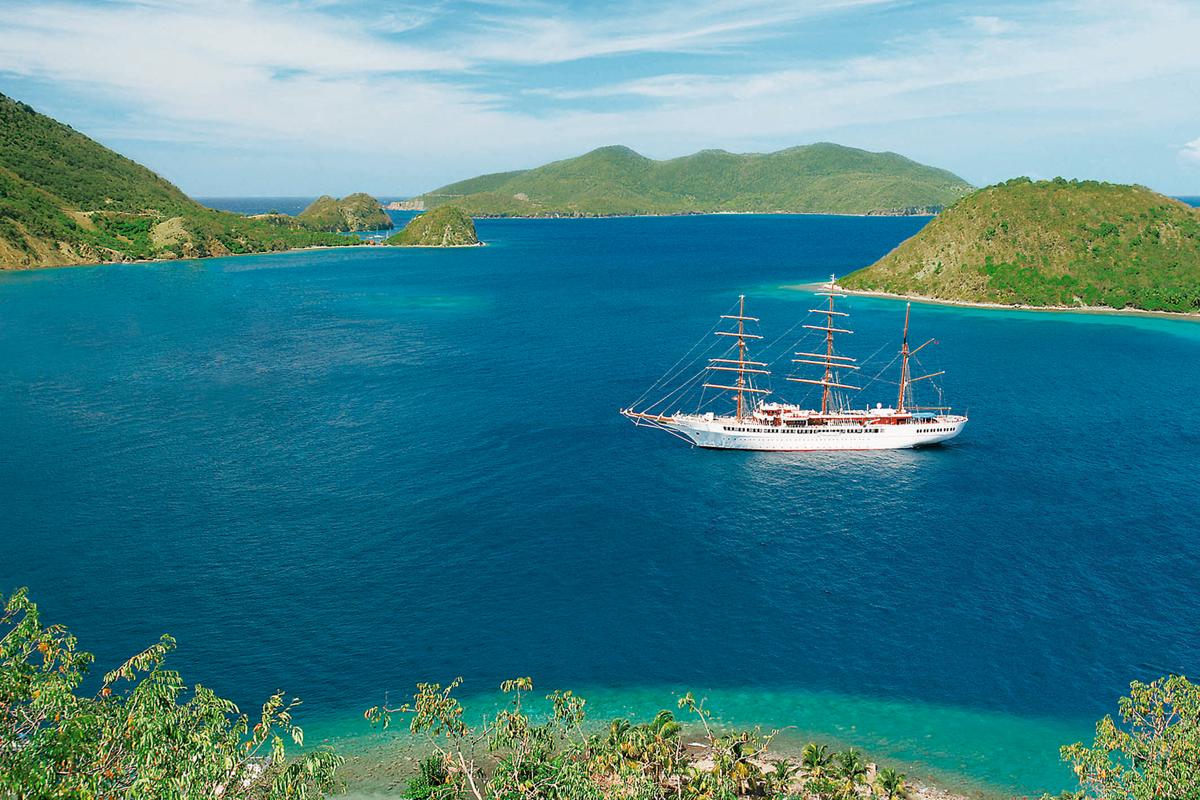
(342, 472)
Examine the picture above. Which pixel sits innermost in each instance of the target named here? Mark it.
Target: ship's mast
(906, 379)
(740, 365)
(741, 380)
(904, 354)
(829, 359)
(828, 352)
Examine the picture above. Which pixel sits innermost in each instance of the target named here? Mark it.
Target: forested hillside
(65, 199)
(818, 178)
(1051, 243)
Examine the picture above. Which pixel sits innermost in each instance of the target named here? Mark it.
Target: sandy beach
(379, 769)
(917, 298)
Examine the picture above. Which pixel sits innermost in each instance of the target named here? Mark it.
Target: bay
(345, 471)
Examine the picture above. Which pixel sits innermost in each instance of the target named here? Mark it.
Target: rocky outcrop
(416, 204)
(355, 212)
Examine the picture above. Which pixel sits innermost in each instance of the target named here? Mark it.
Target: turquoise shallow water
(979, 753)
(343, 472)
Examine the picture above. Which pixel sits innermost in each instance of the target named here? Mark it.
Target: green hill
(355, 212)
(1051, 243)
(448, 226)
(65, 199)
(818, 178)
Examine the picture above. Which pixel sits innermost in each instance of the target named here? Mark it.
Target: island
(1050, 244)
(446, 226)
(353, 213)
(820, 178)
(66, 199)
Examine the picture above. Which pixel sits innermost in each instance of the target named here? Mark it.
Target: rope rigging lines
(670, 374)
(720, 355)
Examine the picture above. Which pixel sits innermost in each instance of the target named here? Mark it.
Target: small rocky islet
(354, 213)
(444, 226)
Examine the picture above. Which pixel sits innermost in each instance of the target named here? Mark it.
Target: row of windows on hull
(736, 429)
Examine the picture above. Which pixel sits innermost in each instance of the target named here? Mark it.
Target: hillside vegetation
(137, 731)
(447, 226)
(71, 732)
(818, 178)
(355, 212)
(65, 199)
(1051, 243)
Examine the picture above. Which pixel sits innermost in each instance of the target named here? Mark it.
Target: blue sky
(300, 97)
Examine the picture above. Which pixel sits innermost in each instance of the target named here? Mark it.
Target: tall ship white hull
(728, 433)
(759, 424)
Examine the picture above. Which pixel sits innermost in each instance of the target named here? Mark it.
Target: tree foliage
(519, 755)
(1152, 752)
(890, 784)
(142, 733)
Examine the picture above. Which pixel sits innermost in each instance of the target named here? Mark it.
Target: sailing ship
(757, 423)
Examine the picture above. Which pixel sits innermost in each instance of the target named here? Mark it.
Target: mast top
(830, 289)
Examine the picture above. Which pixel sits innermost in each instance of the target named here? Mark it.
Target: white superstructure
(757, 424)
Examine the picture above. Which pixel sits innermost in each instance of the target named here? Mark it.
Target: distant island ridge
(259, 204)
(820, 178)
(65, 199)
(1050, 244)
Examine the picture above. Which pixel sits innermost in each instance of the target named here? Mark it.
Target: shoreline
(379, 769)
(698, 214)
(977, 754)
(1188, 316)
(7, 270)
(436, 246)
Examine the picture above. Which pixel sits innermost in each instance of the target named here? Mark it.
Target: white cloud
(549, 38)
(222, 33)
(1191, 151)
(248, 72)
(941, 73)
(434, 87)
(991, 26)
(242, 67)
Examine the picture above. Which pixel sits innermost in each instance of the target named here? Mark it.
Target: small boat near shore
(757, 423)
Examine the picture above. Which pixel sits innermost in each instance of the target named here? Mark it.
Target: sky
(305, 97)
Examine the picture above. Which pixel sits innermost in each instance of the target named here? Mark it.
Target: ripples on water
(343, 472)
